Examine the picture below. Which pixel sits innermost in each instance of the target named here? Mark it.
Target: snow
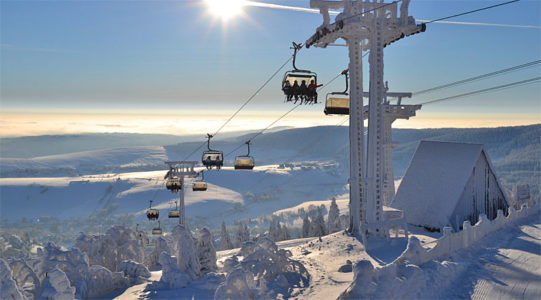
(56, 286)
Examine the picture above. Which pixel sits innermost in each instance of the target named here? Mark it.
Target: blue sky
(174, 59)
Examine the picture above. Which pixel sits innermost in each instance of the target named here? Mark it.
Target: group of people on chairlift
(217, 162)
(306, 93)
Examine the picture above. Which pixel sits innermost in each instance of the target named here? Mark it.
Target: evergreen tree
(306, 226)
(333, 218)
(226, 239)
(318, 225)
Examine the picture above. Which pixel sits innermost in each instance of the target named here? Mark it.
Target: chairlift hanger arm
(297, 47)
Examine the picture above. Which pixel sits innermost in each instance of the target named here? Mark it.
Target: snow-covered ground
(504, 265)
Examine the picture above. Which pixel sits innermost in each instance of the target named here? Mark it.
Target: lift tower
(365, 25)
(181, 169)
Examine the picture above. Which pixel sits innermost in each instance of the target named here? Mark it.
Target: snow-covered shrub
(238, 285)
(27, 281)
(206, 252)
(271, 269)
(119, 243)
(56, 286)
(102, 281)
(172, 276)
(160, 245)
(135, 271)
(243, 234)
(225, 238)
(73, 263)
(8, 286)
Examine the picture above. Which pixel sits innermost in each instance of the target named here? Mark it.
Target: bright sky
(175, 67)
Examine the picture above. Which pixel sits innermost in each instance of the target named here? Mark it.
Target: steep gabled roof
(435, 180)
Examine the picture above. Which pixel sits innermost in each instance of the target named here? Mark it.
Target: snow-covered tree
(317, 227)
(119, 243)
(243, 235)
(187, 260)
(264, 273)
(57, 286)
(306, 226)
(73, 263)
(206, 252)
(25, 277)
(102, 281)
(160, 245)
(8, 286)
(225, 238)
(334, 218)
(285, 233)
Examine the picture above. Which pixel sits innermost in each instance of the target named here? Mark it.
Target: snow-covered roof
(435, 180)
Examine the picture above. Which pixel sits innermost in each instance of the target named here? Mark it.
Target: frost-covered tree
(8, 286)
(306, 226)
(285, 233)
(187, 260)
(57, 286)
(25, 277)
(317, 227)
(102, 281)
(73, 263)
(160, 245)
(119, 243)
(243, 235)
(206, 252)
(264, 273)
(334, 218)
(225, 238)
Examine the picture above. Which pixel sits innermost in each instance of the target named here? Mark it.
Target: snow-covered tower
(365, 25)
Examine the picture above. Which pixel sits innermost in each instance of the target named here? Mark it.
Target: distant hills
(515, 151)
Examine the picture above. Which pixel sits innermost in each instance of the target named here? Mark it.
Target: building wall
(481, 195)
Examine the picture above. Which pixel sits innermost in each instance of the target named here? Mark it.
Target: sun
(225, 9)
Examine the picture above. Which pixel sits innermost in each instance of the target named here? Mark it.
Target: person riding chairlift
(312, 94)
(219, 162)
(208, 162)
(304, 91)
(288, 90)
(295, 90)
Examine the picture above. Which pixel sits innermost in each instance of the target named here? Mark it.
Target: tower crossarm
(396, 111)
(354, 22)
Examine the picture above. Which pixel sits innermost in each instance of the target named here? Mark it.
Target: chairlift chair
(174, 213)
(157, 230)
(200, 185)
(297, 75)
(212, 157)
(174, 184)
(336, 105)
(244, 162)
(152, 213)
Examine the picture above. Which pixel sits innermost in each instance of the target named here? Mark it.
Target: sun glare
(225, 9)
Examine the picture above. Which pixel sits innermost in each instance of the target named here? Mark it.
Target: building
(448, 183)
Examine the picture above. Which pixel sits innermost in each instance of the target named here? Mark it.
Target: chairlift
(152, 213)
(296, 75)
(173, 184)
(200, 185)
(338, 105)
(212, 157)
(174, 213)
(244, 162)
(157, 230)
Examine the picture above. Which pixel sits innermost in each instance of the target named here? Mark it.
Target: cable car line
(499, 87)
(471, 11)
(282, 116)
(483, 76)
(242, 106)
